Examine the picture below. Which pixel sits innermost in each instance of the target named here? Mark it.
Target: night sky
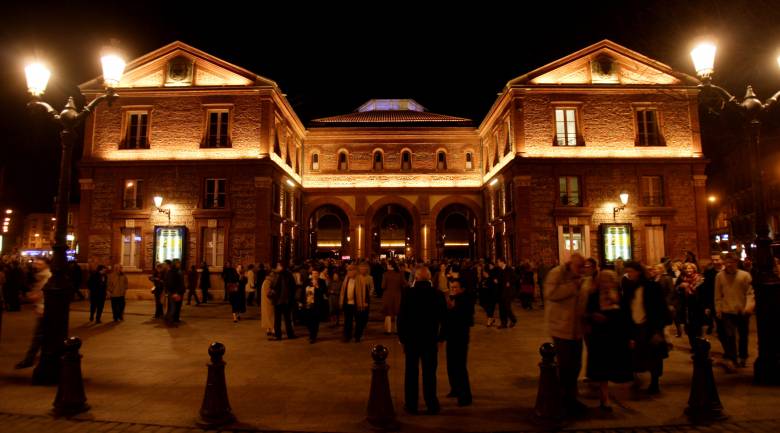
(453, 59)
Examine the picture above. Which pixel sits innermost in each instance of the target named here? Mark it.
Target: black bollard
(703, 403)
(548, 411)
(215, 410)
(70, 398)
(380, 411)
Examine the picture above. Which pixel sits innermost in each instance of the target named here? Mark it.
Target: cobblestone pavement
(143, 376)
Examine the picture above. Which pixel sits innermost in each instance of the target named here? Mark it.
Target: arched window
(378, 160)
(441, 160)
(406, 160)
(469, 161)
(343, 161)
(315, 161)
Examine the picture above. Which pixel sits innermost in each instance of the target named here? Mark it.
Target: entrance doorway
(328, 233)
(392, 232)
(456, 232)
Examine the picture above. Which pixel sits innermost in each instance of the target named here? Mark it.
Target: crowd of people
(620, 313)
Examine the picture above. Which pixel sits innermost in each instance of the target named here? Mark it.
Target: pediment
(180, 65)
(605, 63)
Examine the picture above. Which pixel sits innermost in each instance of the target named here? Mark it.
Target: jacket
(421, 316)
(361, 291)
(733, 292)
(117, 285)
(565, 299)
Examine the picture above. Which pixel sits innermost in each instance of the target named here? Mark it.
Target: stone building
(539, 177)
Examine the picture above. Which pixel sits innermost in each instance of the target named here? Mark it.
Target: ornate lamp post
(623, 201)
(766, 369)
(158, 201)
(58, 291)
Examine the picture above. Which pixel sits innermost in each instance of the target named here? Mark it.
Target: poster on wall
(616, 241)
(169, 243)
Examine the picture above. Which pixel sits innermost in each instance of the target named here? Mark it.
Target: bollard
(380, 411)
(703, 403)
(70, 398)
(215, 410)
(548, 411)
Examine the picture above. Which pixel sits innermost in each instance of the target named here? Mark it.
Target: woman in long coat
(235, 284)
(393, 283)
(266, 305)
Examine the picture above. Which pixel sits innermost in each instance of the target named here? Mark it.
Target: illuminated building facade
(246, 181)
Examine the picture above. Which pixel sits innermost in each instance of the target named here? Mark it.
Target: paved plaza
(141, 375)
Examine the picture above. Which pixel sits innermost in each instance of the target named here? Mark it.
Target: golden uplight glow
(400, 180)
(703, 57)
(9, 211)
(456, 244)
(392, 244)
(130, 184)
(712, 199)
(37, 235)
(328, 244)
(37, 78)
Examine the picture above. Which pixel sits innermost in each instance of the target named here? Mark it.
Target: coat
(266, 305)
(565, 299)
(283, 291)
(361, 291)
(650, 348)
(392, 284)
(117, 285)
(421, 316)
(319, 309)
(205, 279)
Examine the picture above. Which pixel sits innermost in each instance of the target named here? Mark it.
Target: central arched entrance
(392, 232)
(328, 232)
(456, 228)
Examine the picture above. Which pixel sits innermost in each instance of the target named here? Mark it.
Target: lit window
(136, 130)
(214, 246)
(441, 160)
(217, 129)
(132, 197)
(469, 161)
(569, 191)
(315, 161)
(131, 247)
(215, 194)
(406, 160)
(343, 162)
(566, 126)
(652, 191)
(377, 160)
(648, 133)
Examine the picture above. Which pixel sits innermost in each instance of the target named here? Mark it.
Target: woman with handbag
(236, 295)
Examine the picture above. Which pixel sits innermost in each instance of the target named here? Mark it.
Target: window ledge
(212, 213)
(655, 211)
(570, 211)
(130, 214)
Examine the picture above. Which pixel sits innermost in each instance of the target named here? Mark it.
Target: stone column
(522, 209)
(263, 222)
(85, 219)
(702, 220)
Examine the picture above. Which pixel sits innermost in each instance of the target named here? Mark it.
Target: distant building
(38, 234)
(538, 178)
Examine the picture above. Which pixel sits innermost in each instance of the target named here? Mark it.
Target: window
(132, 197)
(569, 191)
(469, 161)
(406, 160)
(441, 160)
(217, 129)
(315, 161)
(136, 130)
(343, 161)
(131, 247)
(655, 244)
(652, 191)
(566, 126)
(573, 239)
(648, 133)
(214, 246)
(215, 194)
(377, 160)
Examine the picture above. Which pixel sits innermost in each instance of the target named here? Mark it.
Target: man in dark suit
(420, 330)
(457, 325)
(283, 297)
(174, 287)
(506, 281)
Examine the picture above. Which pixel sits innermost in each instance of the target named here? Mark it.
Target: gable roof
(146, 70)
(631, 68)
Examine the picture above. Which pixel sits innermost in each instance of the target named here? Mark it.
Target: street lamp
(624, 201)
(58, 290)
(158, 200)
(766, 284)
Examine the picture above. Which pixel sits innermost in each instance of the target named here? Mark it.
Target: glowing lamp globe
(37, 78)
(704, 59)
(157, 201)
(113, 68)
(624, 198)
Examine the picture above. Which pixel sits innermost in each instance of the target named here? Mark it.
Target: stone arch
(398, 201)
(309, 208)
(475, 208)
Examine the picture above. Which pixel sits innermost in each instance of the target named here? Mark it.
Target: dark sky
(329, 59)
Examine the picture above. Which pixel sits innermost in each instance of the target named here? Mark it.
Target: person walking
(566, 296)
(158, 280)
(35, 296)
(205, 282)
(420, 329)
(688, 284)
(334, 286)
(608, 325)
(352, 300)
(174, 288)
(236, 296)
(251, 284)
(507, 290)
(734, 303)
(488, 295)
(228, 271)
(192, 285)
(266, 304)
(117, 288)
(457, 325)
(314, 303)
(393, 284)
(283, 298)
(97, 293)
